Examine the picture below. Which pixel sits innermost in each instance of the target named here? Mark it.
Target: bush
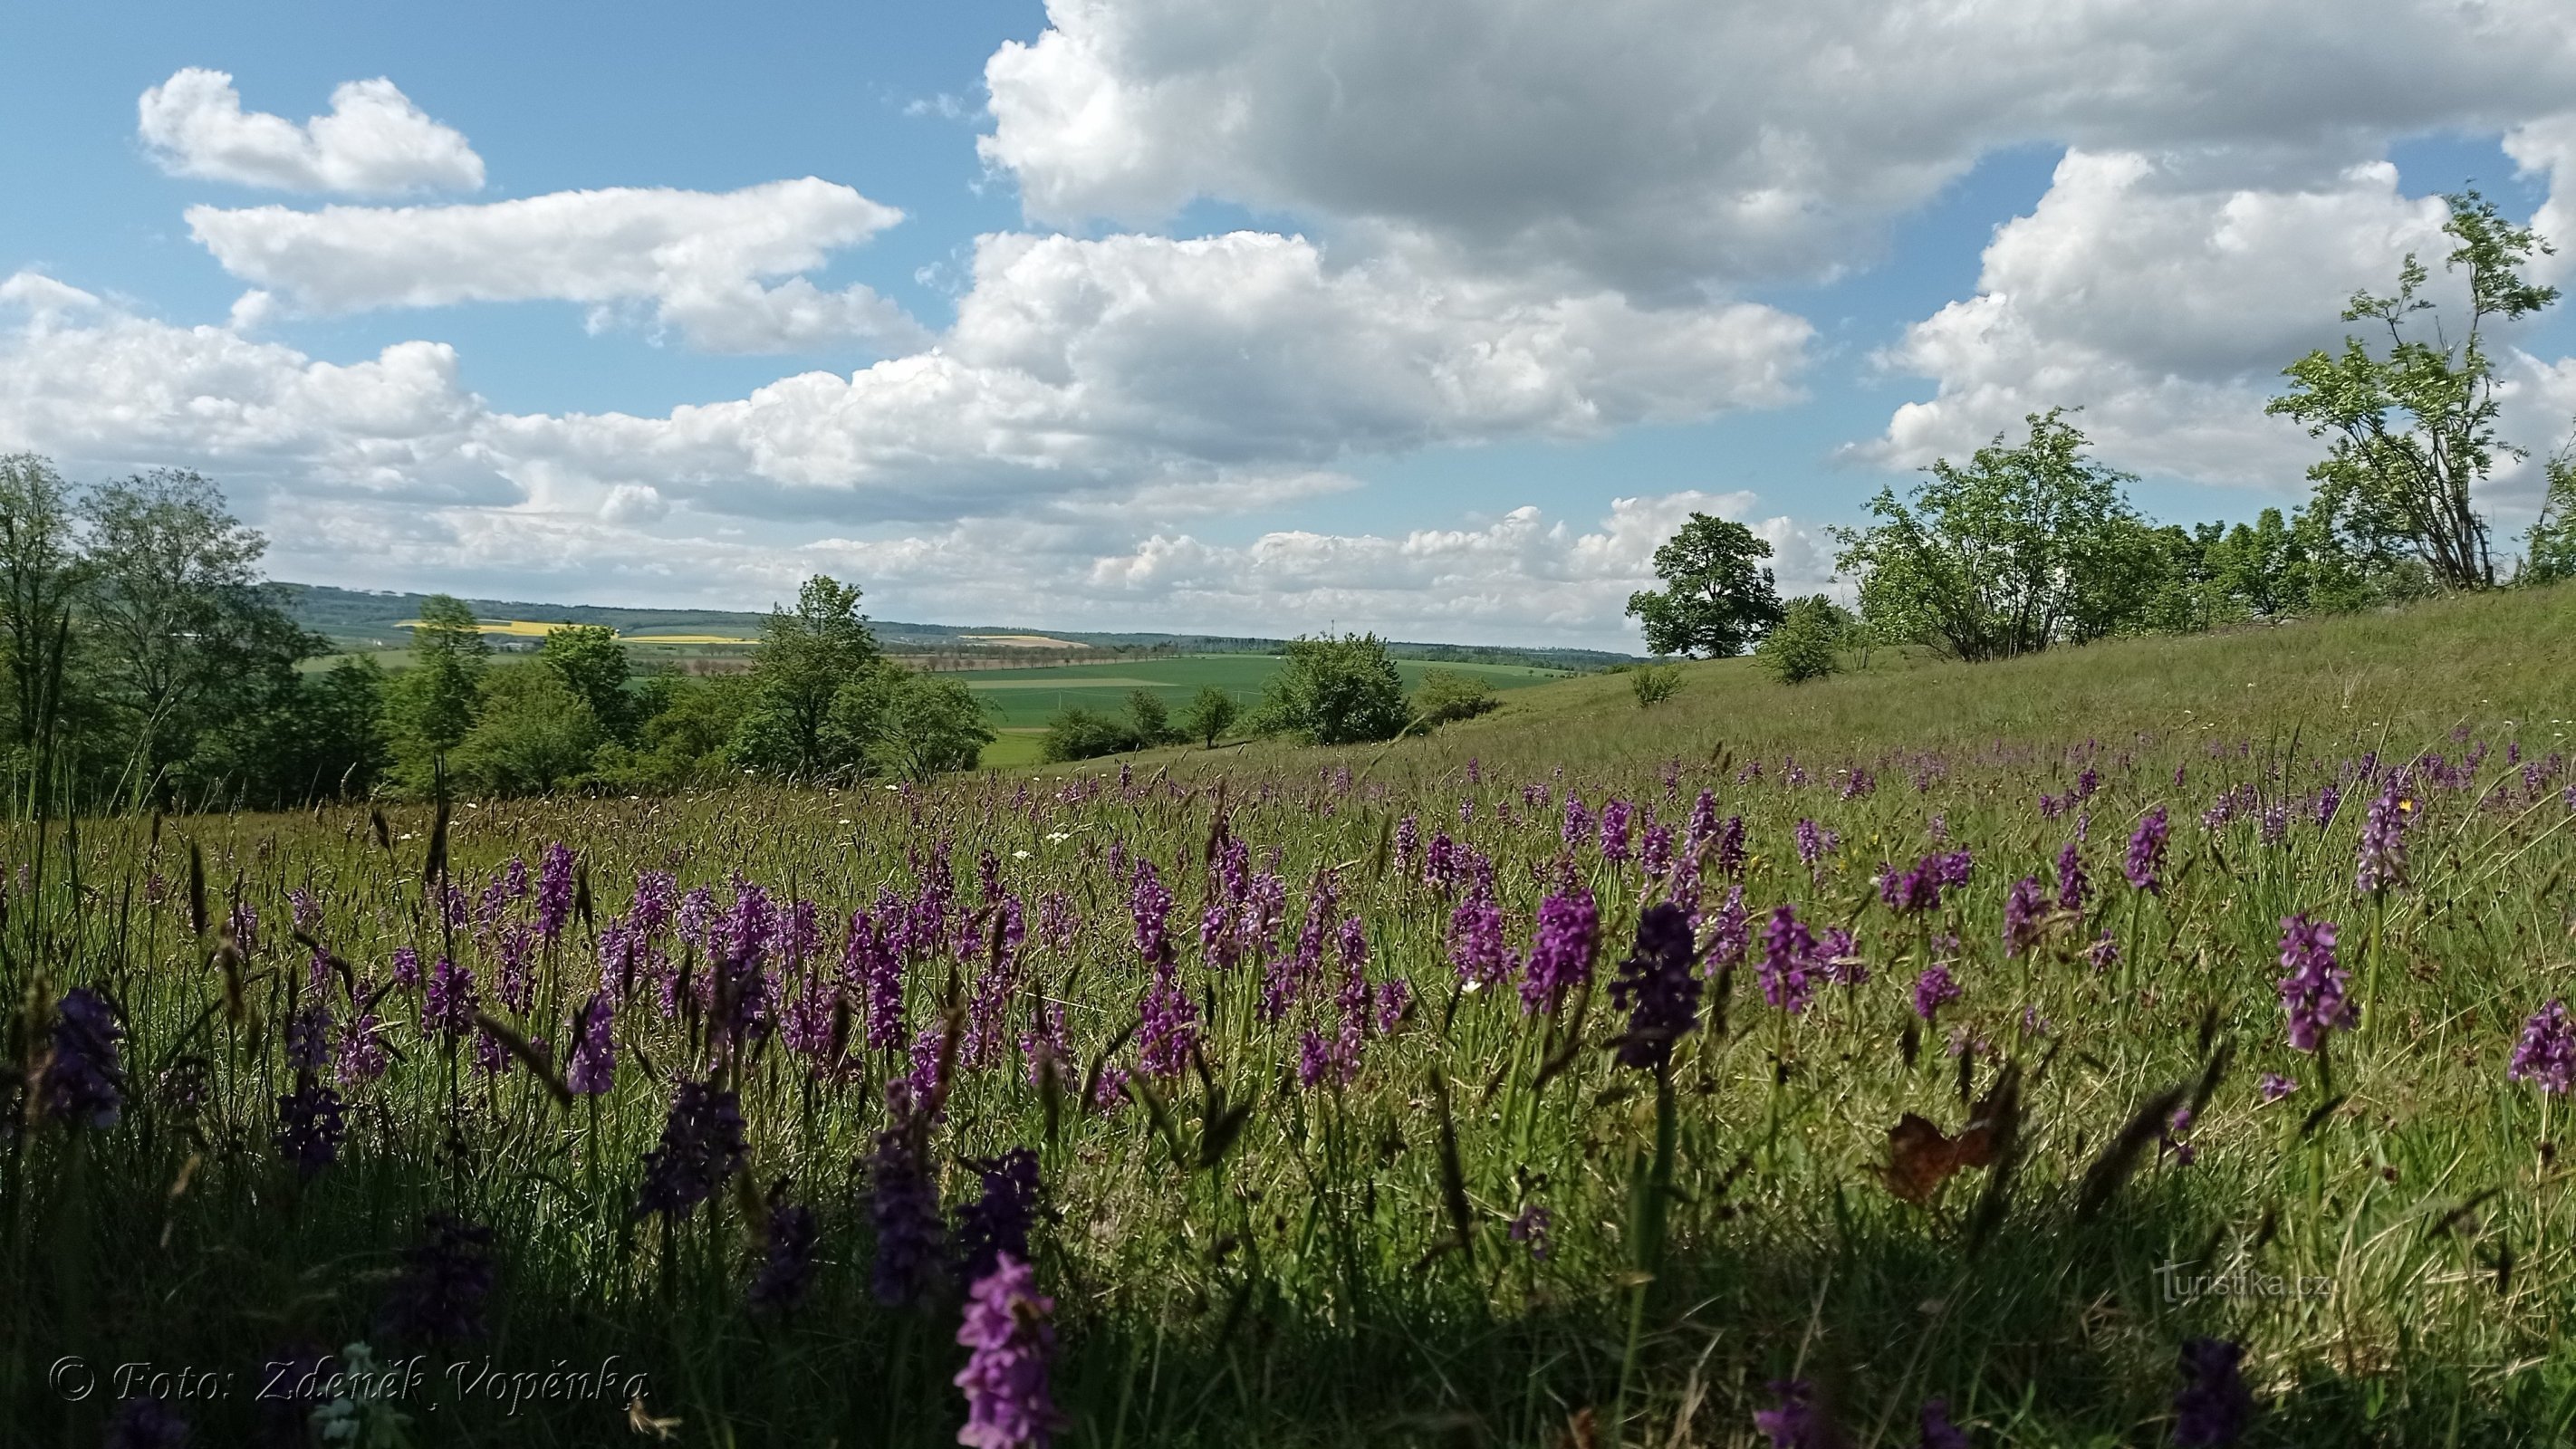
(1448, 695)
(1807, 642)
(1654, 683)
(1077, 733)
(1150, 718)
(532, 734)
(1208, 715)
(1335, 692)
(932, 724)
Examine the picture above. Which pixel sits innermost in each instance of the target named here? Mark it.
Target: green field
(1024, 698)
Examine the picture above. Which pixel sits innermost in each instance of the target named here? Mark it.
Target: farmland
(1910, 1046)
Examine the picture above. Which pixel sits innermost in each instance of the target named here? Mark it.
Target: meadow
(2139, 1044)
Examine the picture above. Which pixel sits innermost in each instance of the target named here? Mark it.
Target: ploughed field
(2148, 1043)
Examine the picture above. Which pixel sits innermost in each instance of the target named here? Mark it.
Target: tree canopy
(1717, 597)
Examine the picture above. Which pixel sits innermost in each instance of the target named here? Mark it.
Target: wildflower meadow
(2161, 1042)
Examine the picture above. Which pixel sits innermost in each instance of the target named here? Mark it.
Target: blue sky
(1432, 321)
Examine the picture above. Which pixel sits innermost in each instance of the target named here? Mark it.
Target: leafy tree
(804, 660)
(2023, 547)
(42, 578)
(689, 725)
(1808, 641)
(1335, 692)
(1208, 715)
(313, 736)
(593, 665)
(533, 734)
(1076, 733)
(436, 700)
(1716, 597)
(1447, 695)
(932, 724)
(2549, 555)
(1149, 717)
(2412, 421)
(185, 628)
(1654, 683)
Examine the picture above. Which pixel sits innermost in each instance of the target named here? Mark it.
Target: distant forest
(349, 614)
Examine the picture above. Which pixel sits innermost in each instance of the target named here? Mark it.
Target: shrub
(1208, 715)
(1077, 733)
(1149, 717)
(1807, 642)
(1447, 695)
(1335, 692)
(1654, 683)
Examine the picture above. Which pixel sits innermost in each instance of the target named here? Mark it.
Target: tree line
(2034, 544)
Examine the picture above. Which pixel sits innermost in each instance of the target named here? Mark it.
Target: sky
(1432, 319)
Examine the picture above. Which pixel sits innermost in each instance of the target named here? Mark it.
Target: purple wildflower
(903, 1202)
(1657, 988)
(363, 1054)
(2381, 860)
(1560, 959)
(1730, 932)
(1615, 819)
(998, 1221)
(2024, 912)
(2072, 886)
(145, 1423)
(2146, 858)
(82, 1081)
(450, 1008)
(1933, 990)
(2546, 1055)
(1531, 1227)
(2312, 993)
(445, 1279)
(786, 1257)
(554, 891)
(594, 1050)
(1788, 956)
(1938, 1431)
(2213, 1406)
(2273, 1087)
(406, 967)
(308, 1038)
(1005, 1379)
(702, 1148)
(1798, 1422)
(310, 1123)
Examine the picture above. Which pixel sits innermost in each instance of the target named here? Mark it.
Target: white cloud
(698, 257)
(2547, 147)
(2164, 301)
(1669, 144)
(374, 142)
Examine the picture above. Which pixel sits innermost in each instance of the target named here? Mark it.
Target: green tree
(593, 665)
(1808, 641)
(932, 724)
(2022, 547)
(805, 659)
(1335, 692)
(2549, 554)
(686, 736)
(1149, 717)
(1076, 733)
(1208, 715)
(1716, 599)
(533, 734)
(313, 736)
(184, 627)
(2412, 421)
(1448, 695)
(42, 578)
(435, 701)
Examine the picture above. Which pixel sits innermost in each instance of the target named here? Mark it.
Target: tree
(1808, 641)
(2023, 547)
(1208, 715)
(1076, 733)
(685, 738)
(1448, 695)
(2413, 423)
(42, 576)
(186, 629)
(593, 665)
(932, 724)
(533, 734)
(804, 660)
(436, 700)
(311, 737)
(2549, 554)
(1335, 692)
(1149, 717)
(1716, 598)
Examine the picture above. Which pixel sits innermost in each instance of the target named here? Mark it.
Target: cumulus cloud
(698, 257)
(374, 141)
(1663, 145)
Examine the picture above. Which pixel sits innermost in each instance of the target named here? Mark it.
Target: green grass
(1297, 1275)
